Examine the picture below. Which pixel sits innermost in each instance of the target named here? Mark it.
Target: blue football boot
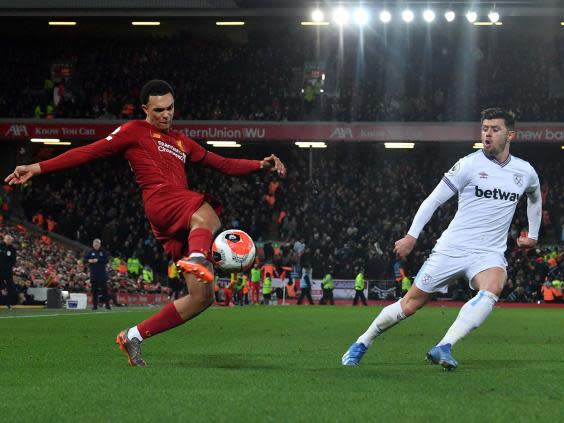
(354, 354)
(441, 355)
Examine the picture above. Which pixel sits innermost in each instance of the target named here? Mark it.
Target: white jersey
(488, 193)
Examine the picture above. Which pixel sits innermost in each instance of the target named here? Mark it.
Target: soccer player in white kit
(489, 184)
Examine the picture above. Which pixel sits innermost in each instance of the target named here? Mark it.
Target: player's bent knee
(206, 217)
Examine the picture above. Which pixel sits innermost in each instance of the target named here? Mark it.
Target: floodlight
(493, 16)
(471, 16)
(361, 16)
(385, 16)
(407, 15)
(429, 15)
(340, 16)
(317, 15)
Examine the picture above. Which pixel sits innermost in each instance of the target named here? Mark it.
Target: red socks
(200, 241)
(165, 319)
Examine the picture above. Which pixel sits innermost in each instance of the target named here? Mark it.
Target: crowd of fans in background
(360, 199)
(444, 75)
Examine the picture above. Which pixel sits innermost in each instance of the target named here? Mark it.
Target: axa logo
(496, 194)
(341, 132)
(17, 131)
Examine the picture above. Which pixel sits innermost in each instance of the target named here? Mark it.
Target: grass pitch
(256, 364)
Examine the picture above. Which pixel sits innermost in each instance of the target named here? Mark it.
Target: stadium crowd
(361, 199)
(269, 75)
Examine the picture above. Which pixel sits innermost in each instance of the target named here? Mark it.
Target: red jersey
(158, 160)
(156, 157)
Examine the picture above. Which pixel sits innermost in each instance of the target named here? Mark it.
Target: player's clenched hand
(274, 164)
(525, 242)
(404, 246)
(22, 174)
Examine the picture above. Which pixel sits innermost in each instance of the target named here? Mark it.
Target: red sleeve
(199, 154)
(113, 144)
(231, 166)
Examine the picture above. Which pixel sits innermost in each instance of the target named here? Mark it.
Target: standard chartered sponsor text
(167, 148)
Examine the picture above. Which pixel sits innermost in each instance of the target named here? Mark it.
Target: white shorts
(439, 269)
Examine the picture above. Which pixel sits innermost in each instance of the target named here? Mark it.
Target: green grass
(280, 364)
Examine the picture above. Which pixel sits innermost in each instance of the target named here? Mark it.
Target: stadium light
(488, 23)
(311, 144)
(230, 23)
(145, 23)
(493, 16)
(361, 16)
(58, 143)
(407, 15)
(340, 16)
(471, 16)
(385, 16)
(317, 16)
(399, 145)
(450, 15)
(62, 23)
(312, 23)
(477, 145)
(45, 140)
(429, 15)
(224, 144)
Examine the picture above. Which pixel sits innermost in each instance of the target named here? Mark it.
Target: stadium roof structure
(253, 8)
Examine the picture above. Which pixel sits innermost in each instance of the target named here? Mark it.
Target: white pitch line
(87, 313)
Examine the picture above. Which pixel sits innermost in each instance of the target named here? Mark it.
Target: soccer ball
(233, 251)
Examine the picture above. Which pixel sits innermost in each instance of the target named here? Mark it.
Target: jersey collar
(496, 161)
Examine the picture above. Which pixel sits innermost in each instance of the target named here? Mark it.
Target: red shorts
(255, 286)
(169, 211)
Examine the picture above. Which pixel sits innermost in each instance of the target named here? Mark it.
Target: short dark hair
(155, 87)
(499, 113)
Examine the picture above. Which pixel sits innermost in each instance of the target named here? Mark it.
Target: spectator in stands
(255, 284)
(7, 262)
(305, 287)
(174, 282)
(327, 285)
(266, 289)
(359, 287)
(98, 259)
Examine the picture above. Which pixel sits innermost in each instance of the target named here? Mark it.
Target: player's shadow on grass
(222, 361)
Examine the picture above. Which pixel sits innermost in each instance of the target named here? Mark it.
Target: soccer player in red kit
(181, 219)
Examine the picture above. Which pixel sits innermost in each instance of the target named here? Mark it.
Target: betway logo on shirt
(496, 194)
(167, 148)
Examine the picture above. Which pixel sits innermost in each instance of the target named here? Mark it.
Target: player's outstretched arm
(22, 174)
(534, 215)
(440, 195)
(274, 164)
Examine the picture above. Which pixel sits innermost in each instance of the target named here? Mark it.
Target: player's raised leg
(204, 224)
(489, 284)
(197, 272)
(388, 317)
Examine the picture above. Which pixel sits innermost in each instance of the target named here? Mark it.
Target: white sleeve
(534, 206)
(459, 175)
(442, 193)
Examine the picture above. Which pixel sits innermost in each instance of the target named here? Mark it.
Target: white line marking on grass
(85, 313)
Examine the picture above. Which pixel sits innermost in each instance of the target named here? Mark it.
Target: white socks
(388, 317)
(471, 315)
(134, 333)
